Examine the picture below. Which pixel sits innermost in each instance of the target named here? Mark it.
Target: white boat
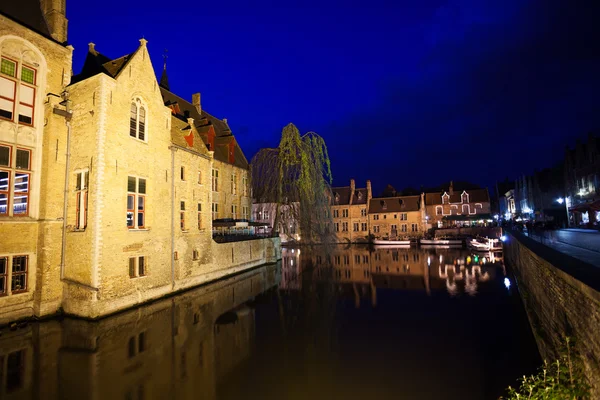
(386, 242)
(391, 246)
(441, 246)
(487, 245)
(442, 242)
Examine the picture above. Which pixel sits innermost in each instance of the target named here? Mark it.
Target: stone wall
(557, 300)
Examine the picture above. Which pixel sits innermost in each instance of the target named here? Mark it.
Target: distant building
(582, 182)
(349, 211)
(453, 207)
(396, 217)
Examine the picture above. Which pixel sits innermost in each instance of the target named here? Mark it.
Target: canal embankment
(561, 295)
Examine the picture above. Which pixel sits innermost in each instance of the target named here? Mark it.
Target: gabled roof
(394, 204)
(180, 130)
(96, 63)
(341, 196)
(475, 196)
(183, 109)
(28, 13)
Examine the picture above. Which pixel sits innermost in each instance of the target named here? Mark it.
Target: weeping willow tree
(295, 178)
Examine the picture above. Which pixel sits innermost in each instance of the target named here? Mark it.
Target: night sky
(404, 92)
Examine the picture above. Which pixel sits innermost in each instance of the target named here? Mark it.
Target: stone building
(109, 182)
(349, 210)
(470, 205)
(582, 182)
(35, 69)
(396, 217)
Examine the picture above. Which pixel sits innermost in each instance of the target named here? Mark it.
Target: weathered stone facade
(396, 217)
(470, 204)
(349, 211)
(557, 303)
(111, 155)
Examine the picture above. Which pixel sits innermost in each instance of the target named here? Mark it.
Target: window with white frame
(81, 206)
(244, 185)
(337, 226)
(344, 227)
(245, 212)
(233, 183)
(363, 226)
(13, 274)
(15, 180)
(404, 228)
(363, 212)
(215, 211)
(465, 197)
(376, 228)
(136, 202)
(403, 216)
(137, 266)
(137, 120)
(355, 227)
(215, 180)
(375, 217)
(336, 213)
(394, 228)
(234, 211)
(17, 91)
(445, 198)
(345, 213)
(415, 227)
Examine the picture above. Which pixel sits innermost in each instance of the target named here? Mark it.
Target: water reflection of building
(359, 270)
(175, 348)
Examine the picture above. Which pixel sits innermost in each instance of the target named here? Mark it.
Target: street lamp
(560, 200)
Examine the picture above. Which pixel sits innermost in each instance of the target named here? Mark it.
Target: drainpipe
(67, 114)
(173, 150)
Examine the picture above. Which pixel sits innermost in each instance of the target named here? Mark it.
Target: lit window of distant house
(445, 198)
(17, 91)
(81, 206)
(137, 120)
(15, 180)
(13, 274)
(137, 266)
(363, 212)
(465, 197)
(439, 210)
(478, 208)
(136, 202)
(215, 211)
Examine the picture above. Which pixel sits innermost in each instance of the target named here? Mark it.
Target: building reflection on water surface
(278, 331)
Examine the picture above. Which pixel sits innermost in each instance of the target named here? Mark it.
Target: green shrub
(562, 379)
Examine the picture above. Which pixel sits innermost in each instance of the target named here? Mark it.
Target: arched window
(137, 121)
(465, 197)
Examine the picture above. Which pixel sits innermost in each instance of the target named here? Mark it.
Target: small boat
(391, 246)
(442, 242)
(441, 246)
(487, 245)
(387, 242)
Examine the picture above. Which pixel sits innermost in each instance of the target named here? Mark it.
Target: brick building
(349, 210)
(396, 217)
(472, 205)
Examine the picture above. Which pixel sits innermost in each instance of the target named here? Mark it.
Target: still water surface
(341, 323)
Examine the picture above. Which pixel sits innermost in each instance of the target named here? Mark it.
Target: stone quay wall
(561, 297)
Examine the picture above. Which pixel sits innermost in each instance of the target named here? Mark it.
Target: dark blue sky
(404, 92)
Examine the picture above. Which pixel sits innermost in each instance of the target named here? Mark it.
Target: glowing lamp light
(503, 238)
(507, 283)
(560, 200)
(476, 258)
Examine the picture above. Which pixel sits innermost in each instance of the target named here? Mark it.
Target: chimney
(196, 102)
(451, 191)
(55, 15)
(369, 193)
(352, 190)
(92, 48)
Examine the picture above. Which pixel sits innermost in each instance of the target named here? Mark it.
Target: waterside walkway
(579, 244)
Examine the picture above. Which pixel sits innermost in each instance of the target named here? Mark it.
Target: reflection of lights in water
(441, 258)
(507, 283)
(292, 250)
(428, 261)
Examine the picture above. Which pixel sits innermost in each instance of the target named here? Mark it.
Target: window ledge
(138, 229)
(78, 230)
(185, 231)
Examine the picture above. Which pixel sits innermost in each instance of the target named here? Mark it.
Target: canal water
(338, 322)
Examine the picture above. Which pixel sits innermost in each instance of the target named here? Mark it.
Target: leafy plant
(564, 378)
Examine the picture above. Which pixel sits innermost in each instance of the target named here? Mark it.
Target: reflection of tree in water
(307, 316)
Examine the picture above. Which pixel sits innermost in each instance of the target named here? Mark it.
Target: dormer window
(383, 205)
(359, 195)
(464, 197)
(137, 121)
(445, 198)
(337, 198)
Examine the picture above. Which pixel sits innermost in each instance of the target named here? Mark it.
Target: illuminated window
(137, 266)
(245, 212)
(439, 210)
(136, 202)
(233, 184)
(13, 88)
(465, 197)
(15, 179)
(215, 180)
(234, 210)
(81, 206)
(137, 121)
